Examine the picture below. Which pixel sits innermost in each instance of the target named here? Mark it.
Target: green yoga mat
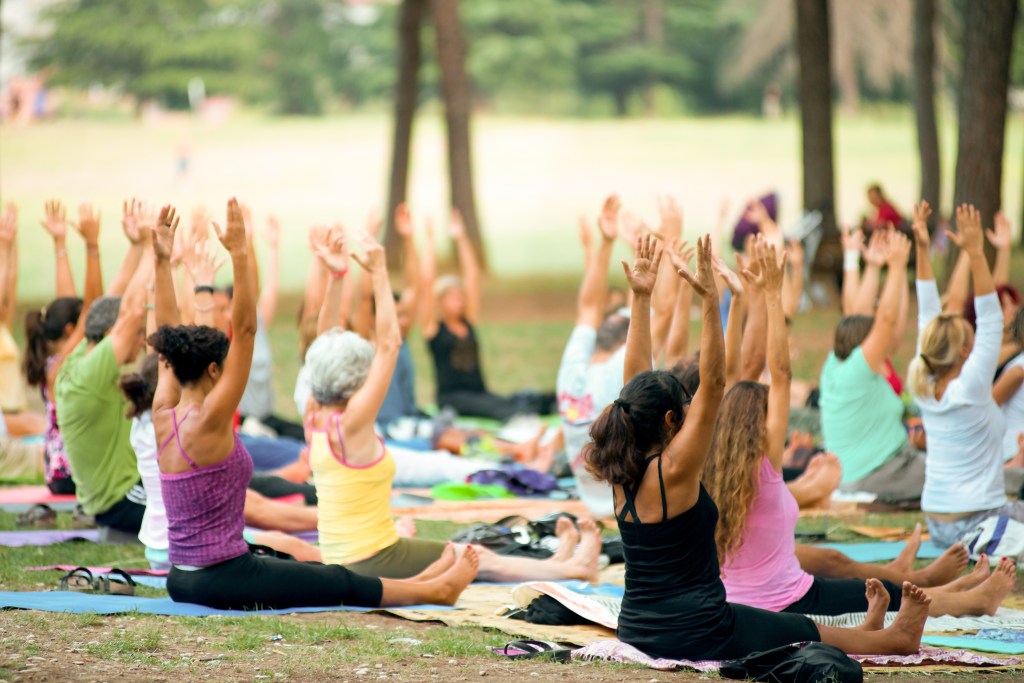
(975, 643)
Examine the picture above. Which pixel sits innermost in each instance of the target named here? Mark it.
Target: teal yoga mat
(882, 551)
(975, 643)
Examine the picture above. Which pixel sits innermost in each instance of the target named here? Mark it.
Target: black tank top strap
(630, 494)
(661, 483)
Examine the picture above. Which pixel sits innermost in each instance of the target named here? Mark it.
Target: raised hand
(317, 236)
(899, 250)
(403, 220)
(372, 259)
(852, 240)
(633, 228)
(921, 213)
(795, 254)
(55, 220)
(456, 227)
(202, 263)
(586, 233)
(703, 284)
(968, 235)
(273, 232)
(234, 237)
(750, 266)
(731, 279)
(1002, 236)
(330, 248)
(646, 261)
(671, 219)
(772, 267)
(131, 215)
(877, 251)
(88, 225)
(608, 220)
(681, 253)
(163, 233)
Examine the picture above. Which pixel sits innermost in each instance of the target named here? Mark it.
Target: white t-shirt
(584, 390)
(153, 533)
(964, 464)
(258, 397)
(1013, 411)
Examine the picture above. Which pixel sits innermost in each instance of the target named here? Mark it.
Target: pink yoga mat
(98, 570)
(28, 495)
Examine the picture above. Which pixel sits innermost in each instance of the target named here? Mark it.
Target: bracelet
(203, 309)
(851, 260)
(337, 274)
(150, 307)
(92, 248)
(203, 289)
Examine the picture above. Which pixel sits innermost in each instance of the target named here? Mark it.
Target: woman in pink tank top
(761, 563)
(204, 468)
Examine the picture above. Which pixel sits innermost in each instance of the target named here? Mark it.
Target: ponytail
(612, 455)
(919, 378)
(940, 342)
(42, 328)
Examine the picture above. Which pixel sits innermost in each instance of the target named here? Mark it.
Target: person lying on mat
(449, 314)
(352, 468)
(758, 515)
(651, 446)
(90, 408)
(204, 466)
(950, 379)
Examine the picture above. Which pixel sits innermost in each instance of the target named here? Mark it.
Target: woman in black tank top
(650, 444)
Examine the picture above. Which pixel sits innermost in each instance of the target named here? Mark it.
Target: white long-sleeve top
(964, 464)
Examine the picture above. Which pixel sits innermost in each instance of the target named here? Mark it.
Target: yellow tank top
(12, 386)
(354, 503)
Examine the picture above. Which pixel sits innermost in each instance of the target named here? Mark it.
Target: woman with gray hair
(353, 470)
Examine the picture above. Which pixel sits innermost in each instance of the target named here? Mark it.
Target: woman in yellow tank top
(352, 469)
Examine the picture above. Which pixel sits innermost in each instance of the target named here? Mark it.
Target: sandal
(531, 649)
(80, 520)
(79, 579)
(40, 516)
(115, 582)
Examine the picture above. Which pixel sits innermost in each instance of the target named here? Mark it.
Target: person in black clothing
(650, 445)
(452, 339)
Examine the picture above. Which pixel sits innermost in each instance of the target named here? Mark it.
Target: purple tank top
(205, 508)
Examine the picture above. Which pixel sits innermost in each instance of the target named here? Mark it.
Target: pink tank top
(205, 507)
(764, 572)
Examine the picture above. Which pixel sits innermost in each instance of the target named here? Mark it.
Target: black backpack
(798, 663)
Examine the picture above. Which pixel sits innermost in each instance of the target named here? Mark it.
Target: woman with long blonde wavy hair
(758, 514)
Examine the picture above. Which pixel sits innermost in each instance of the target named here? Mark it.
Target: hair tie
(622, 404)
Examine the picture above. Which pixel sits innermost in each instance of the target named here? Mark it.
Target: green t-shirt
(91, 417)
(861, 416)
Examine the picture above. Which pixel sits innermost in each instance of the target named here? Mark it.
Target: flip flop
(79, 579)
(39, 516)
(115, 582)
(531, 649)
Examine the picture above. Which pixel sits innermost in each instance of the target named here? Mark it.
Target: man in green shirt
(91, 412)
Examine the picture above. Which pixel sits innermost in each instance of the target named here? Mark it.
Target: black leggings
(259, 582)
(829, 597)
(126, 514)
(756, 630)
(272, 486)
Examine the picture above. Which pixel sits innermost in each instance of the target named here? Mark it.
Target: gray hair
(446, 282)
(102, 316)
(338, 364)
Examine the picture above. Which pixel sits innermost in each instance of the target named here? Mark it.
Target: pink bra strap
(177, 437)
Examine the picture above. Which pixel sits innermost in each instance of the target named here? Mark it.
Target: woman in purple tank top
(204, 468)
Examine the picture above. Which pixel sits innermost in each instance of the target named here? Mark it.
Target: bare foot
(443, 564)
(904, 636)
(568, 537)
(583, 565)
(995, 588)
(878, 605)
(904, 562)
(981, 571)
(446, 589)
(943, 570)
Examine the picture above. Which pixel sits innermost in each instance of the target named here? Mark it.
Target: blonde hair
(733, 467)
(940, 343)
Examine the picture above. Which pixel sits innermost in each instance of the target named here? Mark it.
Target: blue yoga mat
(880, 551)
(975, 643)
(47, 536)
(88, 603)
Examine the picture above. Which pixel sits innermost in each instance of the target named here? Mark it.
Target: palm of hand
(642, 276)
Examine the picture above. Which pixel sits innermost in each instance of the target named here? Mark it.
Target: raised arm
(959, 285)
(1002, 239)
(333, 258)
(361, 411)
(734, 324)
(131, 315)
(1008, 384)
(875, 257)
(981, 364)
(777, 425)
(88, 226)
(687, 451)
(753, 352)
(793, 284)
(55, 223)
(202, 262)
(316, 278)
(642, 277)
(269, 293)
(594, 288)
(222, 401)
(428, 319)
(411, 293)
(663, 301)
(677, 347)
(138, 227)
(9, 265)
(469, 266)
(164, 300)
(879, 341)
(922, 240)
(853, 243)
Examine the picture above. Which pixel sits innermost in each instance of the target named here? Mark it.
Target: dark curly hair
(632, 426)
(42, 328)
(139, 387)
(190, 349)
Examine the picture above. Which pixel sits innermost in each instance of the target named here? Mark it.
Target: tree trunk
(813, 51)
(451, 53)
(985, 77)
(924, 104)
(654, 34)
(406, 94)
